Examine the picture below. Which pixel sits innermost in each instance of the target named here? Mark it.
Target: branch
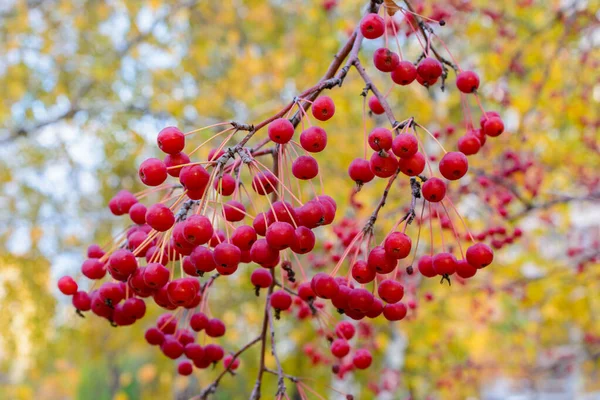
(263, 338)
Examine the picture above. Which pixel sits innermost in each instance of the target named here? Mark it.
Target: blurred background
(86, 86)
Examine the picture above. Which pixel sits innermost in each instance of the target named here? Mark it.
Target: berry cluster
(214, 213)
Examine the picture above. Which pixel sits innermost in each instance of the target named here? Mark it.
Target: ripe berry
(405, 145)
(380, 139)
(280, 235)
(281, 130)
(376, 309)
(167, 324)
(261, 278)
(154, 336)
(171, 347)
(479, 255)
(404, 74)
(379, 260)
(173, 160)
(197, 229)
(153, 172)
(215, 328)
(160, 217)
(397, 245)
(429, 69)
(134, 307)
(383, 166)
(230, 363)
(340, 348)
(93, 268)
(313, 139)
(345, 330)
(244, 237)
(94, 251)
(227, 255)
(137, 213)
(412, 166)
(360, 300)
(434, 190)
(363, 272)
(305, 292)
(444, 264)
(493, 126)
(214, 352)
(193, 351)
(324, 285)
(67, 285)
(362, 359)
(323, 108)
(281, 300)
(469, 144)
(264, 183)
(81, 301)
(360, 171)
(305, 167)
(464, 269)
(304, 240)
(394, 312)
(453, 165)
(311, 214)
(194, 177)
(171, 140)
(121, 202)
(467, 81)
(180, 291)
(234, 211)
(390, 291)
(199, 321)
(375, 106)
(425, 266)
(385, 60)
(372, 26)
(122, 262)
(263, 254)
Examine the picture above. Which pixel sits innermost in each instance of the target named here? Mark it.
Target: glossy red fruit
(405, 145)
(360, 171)
(385, 60)
(225, 185)
(313, 139)
(281, 130)
(394, 312)
(121, 202)
(174, 160)
(81, 301)
(404, 74)
(429, 68)
(152, 172)
(362, 272)
(198, 321)
(244, 237)
(281, 300)
(464, 269)
(376, 309)
(122, 262)
(362, 359)
(304, 240)
(375, 106)
(323, 108)
(469, 144)
(340, 348)
(197, 229)
(444, 263)
(194, 177)
(397, 245)
(67, 285)
(231, 363)
(171, 347)
(372, 26)
(467, 81)
(453, 165)
(385, 165)
(305, 167)
(390, 291)
(234, 211)
(380, 139)
(171, 140)
(494, 126)
(324, 285)
(93, 268)
(261, 278)
(154, 336)
(360, 300)
(379, 260)
(264, 183)
(280, 235)
(425, 266)
(227, 255)
(137, 213)
(215, 328)
(193, 351)
(412, 166)
(345, 330)
(479, 255)
(434, 190)
(214, 352)
(160, 217)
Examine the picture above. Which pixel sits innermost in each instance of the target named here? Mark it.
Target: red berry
(385, 60)
(304, 240)
(121, 202)
(281, 130)
(383, 166)
(453, 165)
(153, 172)
(244, 237)
(154, 336)
(397, 245)
(429, 69)
(93, 268)
(434, 190)
(263, 254)
(81, 301)
(194, 177)
(390, 291)
(464, 269)
(174, 160)
(122, 262)
(380, 139)
(137, 213)
(425, 266)
(404, 74)
(345, 330)
(214, 352)
(405, 145)
(160, 217)
(362, 272)
(171, 140)
(372, 26)
(305, 167)
(375, 106)
(479, 255)
(412, 166)
(305, 292)
(67, 285)
(215, 328)
(469, 144)
(340, 348)
(264, 183)
(313, 139)
(324, 285)
(227, 255)
(467, 81)
(185, 368)
(360, 300)
(234, 211)
(493, 126)
(197, 229)
(199, 321)
(261, 278)
(360, 171)
(171, 347)
(394, 312)
(230, 363)
(281, 300)
(193, 351)
(362, 359)
(323, 108)
(376, 309)
(444, 264)
(280, 235)
(379, 260)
